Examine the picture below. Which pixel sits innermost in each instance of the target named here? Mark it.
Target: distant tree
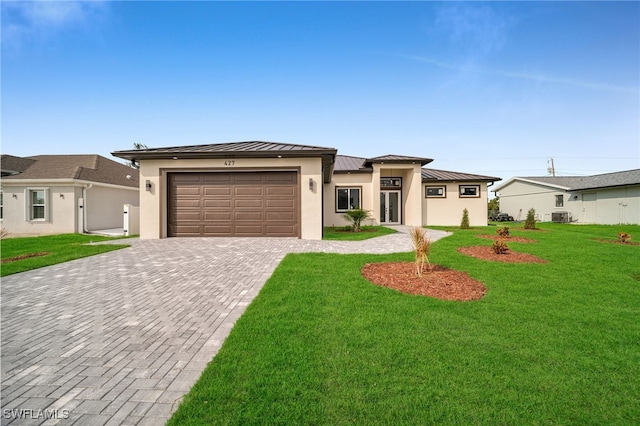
(137, 145)
(494, 205)
(464, 224)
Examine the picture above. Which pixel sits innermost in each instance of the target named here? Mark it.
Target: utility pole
(552, 169)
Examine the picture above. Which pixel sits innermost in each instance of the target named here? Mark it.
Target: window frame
(443, 187)
(1, 205)
(348, 189)
(559, 201)
(462, 195)
(29, 207)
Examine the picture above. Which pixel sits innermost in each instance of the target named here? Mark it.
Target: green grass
(344, 233)
(554, 343)
(61, 248)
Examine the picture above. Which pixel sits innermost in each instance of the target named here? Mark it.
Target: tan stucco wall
(105, 206)
(411, 212)
(362, 180)
(153, 204)
(448, 211)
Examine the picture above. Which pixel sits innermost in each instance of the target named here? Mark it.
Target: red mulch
(507, 239)
(440, 282)
(487, 253)
(24, 256)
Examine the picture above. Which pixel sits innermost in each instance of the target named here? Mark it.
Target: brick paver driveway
(120, 337)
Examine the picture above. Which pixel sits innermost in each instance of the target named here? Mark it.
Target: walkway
(119, 338)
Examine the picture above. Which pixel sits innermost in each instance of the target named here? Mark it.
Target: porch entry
(390, 213)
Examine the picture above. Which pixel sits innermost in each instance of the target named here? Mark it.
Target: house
(286, 190)
(610, 198)
(53, 194)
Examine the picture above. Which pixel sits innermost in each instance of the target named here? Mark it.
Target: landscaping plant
(422, 247)
(464, 224)
(500, 247)
(623, 237)
(356, 216)
(503, 232)
(530, 222)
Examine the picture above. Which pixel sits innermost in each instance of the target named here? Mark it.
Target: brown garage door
(250, 204)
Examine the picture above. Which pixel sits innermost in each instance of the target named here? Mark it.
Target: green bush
(530, 223)
(500, 247)
(464, 224)
(356, 216)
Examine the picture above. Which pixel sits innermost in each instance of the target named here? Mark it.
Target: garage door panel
(216, 203)
(233, 203)
(217, 216)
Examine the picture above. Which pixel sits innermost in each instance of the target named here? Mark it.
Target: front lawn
(554, 343)
(345, 233)
(24, 254)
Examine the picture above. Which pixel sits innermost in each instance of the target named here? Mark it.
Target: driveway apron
(121, 337)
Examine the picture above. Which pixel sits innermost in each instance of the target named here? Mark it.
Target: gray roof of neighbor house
(90, 168)
(348, 164)
(579, 183)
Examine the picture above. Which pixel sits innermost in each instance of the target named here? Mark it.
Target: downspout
(84, 207)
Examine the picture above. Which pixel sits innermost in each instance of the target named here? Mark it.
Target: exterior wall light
(147, 185)
(310, 184)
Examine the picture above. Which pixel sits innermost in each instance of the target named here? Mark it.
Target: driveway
(119, 338)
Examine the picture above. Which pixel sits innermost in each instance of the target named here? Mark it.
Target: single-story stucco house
(607, 199)
(277, 189)
(54, 194)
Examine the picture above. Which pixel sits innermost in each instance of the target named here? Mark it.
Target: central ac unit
(560, 217)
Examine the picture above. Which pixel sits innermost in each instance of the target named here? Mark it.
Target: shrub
(356, 216)
(499, 247)
(503, 232)
(422, 247)
(464, 224)
(623, 237)
(3, 232)
(530, 223)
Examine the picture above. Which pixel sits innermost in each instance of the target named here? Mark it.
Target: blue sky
(482, 87)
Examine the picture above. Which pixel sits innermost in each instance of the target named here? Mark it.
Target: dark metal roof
(348, 164)
(240, 149)
(579, 183)
(91, 168)
(434, 175)
(398, 159)
(251, 149)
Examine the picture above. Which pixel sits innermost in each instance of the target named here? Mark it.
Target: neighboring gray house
(608, 199)
(53, 194)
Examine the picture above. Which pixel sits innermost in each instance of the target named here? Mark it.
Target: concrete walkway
(121, 337)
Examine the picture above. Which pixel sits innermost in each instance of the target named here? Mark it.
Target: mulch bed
(487, 253)
(24, 256)
(440, 282)
(506, 239)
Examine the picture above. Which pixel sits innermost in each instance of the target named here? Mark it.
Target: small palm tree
(422, 247)
(356, 216)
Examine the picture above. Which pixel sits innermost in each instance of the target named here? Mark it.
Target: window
(1, 205)
(37, 204)
(347, 199)
(435, 192)
(469, 191)
(559, 201)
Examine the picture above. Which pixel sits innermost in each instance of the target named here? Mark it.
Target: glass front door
(390, 207)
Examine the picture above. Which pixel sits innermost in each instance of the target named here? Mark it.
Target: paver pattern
(120, 338)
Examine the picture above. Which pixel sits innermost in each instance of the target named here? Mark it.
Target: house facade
(54, 194)
(608, 199)
(285, 190)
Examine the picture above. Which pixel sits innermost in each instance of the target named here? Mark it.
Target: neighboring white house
(275, 189)
(53, 194)
(611, 198)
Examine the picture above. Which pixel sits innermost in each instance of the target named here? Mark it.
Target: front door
(390, 207)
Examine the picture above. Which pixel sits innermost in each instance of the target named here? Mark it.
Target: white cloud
(27, 20)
